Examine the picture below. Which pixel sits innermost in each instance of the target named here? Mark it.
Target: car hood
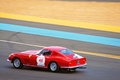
(30, 51)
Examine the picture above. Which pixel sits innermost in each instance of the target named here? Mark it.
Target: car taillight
(82, 60)
(72, 63)
(77, 62)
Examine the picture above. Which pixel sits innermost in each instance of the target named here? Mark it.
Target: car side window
(46, 52)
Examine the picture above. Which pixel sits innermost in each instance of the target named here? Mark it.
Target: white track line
(21, 43)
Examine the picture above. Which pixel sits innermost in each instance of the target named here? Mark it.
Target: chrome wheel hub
(53, 66)
(16, 62)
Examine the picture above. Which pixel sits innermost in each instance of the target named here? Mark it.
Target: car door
(41, 59)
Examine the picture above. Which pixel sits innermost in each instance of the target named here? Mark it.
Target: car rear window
(66, 51)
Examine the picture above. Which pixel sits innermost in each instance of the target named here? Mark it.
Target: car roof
(55, 48)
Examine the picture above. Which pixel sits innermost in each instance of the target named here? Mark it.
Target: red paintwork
(28, 58)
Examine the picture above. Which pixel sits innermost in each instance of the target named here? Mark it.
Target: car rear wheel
(53, 67)
(17, 63)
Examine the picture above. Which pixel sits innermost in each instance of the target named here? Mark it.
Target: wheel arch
(51, 62)
(15, 58)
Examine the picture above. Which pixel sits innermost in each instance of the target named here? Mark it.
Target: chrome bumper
(8, 60)
(78, 66)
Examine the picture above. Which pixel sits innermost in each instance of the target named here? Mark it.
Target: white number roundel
(41, 60)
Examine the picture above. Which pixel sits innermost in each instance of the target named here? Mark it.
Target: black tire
(53, 67)
(17, 63)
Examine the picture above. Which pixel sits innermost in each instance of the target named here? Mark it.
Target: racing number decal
(41, 60)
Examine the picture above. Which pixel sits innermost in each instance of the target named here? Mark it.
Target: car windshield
(66, 51)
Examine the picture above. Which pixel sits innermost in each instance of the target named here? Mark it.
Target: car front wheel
(17, 63)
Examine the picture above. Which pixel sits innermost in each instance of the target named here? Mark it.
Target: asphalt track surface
(99, 68)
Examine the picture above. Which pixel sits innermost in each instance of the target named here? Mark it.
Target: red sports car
(53, 58)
